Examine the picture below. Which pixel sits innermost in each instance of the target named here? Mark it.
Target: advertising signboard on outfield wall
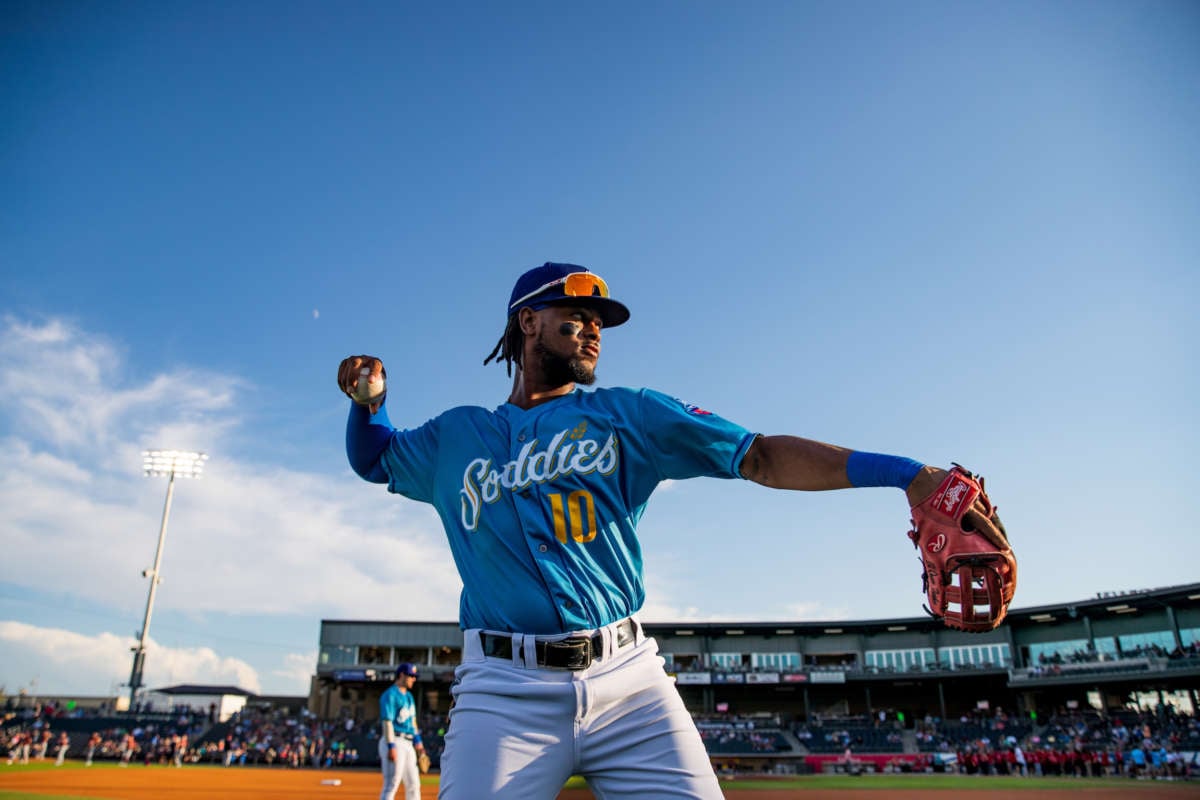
(693, 678)
(762, 677)
(827, 677)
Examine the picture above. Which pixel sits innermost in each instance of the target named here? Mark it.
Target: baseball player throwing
(540, 500)
(399, 739)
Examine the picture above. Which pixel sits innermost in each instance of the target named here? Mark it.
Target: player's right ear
(527, 320)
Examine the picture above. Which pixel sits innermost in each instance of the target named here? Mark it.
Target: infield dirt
(203, 783)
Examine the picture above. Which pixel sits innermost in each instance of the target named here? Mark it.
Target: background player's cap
(406, 669)
(550, 285)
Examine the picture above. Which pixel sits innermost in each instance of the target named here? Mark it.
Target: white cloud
(241, 539)
(296, 671)
(245, 539)
(96, 665)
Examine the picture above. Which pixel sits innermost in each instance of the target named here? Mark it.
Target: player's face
(568, 344)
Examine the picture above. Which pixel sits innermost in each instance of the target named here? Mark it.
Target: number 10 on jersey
(578, 511)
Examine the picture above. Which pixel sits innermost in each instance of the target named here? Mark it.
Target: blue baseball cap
(406, 669)
(556, 284)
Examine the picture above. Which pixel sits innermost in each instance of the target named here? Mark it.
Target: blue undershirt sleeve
(367, 436)
(878, 469)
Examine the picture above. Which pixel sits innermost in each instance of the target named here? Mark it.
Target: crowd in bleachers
(278, 738)
(873, 734)
(1074, 742)
(1056, 663)
(732, 735)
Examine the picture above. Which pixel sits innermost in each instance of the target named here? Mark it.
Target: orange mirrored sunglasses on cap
(577, 284)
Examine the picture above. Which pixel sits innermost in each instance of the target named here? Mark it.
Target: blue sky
(954, 231)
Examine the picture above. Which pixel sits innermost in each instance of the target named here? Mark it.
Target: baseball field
(109, 782)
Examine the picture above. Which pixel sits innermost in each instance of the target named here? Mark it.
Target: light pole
(170, 463)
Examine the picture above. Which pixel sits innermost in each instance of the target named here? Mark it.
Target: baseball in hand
(368, 391)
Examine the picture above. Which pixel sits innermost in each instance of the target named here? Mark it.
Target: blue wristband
(391, 745)
(877, 469)
(416, 739)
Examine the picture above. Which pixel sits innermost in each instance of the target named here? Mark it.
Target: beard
(559, 370)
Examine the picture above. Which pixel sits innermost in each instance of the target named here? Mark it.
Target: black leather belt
(574, 653)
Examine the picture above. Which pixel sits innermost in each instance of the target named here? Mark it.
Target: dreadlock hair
(511, 346)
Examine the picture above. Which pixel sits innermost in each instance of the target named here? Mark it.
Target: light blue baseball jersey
(399, 707)
(541, 506)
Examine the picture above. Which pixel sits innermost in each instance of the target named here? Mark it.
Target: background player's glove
(970, 573)
(423, 762)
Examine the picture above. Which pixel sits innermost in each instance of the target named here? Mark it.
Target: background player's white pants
(519, 733)
(402, 770)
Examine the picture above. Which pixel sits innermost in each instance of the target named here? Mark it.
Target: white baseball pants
(519, 732)
(402, 770)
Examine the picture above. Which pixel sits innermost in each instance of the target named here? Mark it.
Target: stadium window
(336, 655)
(1057, 650)
(1131, 643)
(370, 654)
(1189, 636)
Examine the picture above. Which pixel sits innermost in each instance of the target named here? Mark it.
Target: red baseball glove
(970, 571)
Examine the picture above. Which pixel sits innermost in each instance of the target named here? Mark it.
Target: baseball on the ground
(368, 391)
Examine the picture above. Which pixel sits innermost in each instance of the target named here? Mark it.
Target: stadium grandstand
(1102, 686)
(897, 694)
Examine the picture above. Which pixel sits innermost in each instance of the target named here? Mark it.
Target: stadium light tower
(171, 463)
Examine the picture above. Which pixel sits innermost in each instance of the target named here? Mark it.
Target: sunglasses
(577, 284)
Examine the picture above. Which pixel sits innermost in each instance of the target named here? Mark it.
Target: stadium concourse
(1097, 687)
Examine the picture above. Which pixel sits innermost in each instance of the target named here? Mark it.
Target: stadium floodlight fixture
(172, 463)
(183, 463)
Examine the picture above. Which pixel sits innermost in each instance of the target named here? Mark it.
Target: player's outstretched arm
(791, 462)
(368, 429)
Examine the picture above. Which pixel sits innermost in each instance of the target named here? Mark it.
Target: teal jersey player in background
(399, 736)
(540, 501)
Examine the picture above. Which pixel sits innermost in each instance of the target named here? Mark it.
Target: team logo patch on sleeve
(697, 410)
